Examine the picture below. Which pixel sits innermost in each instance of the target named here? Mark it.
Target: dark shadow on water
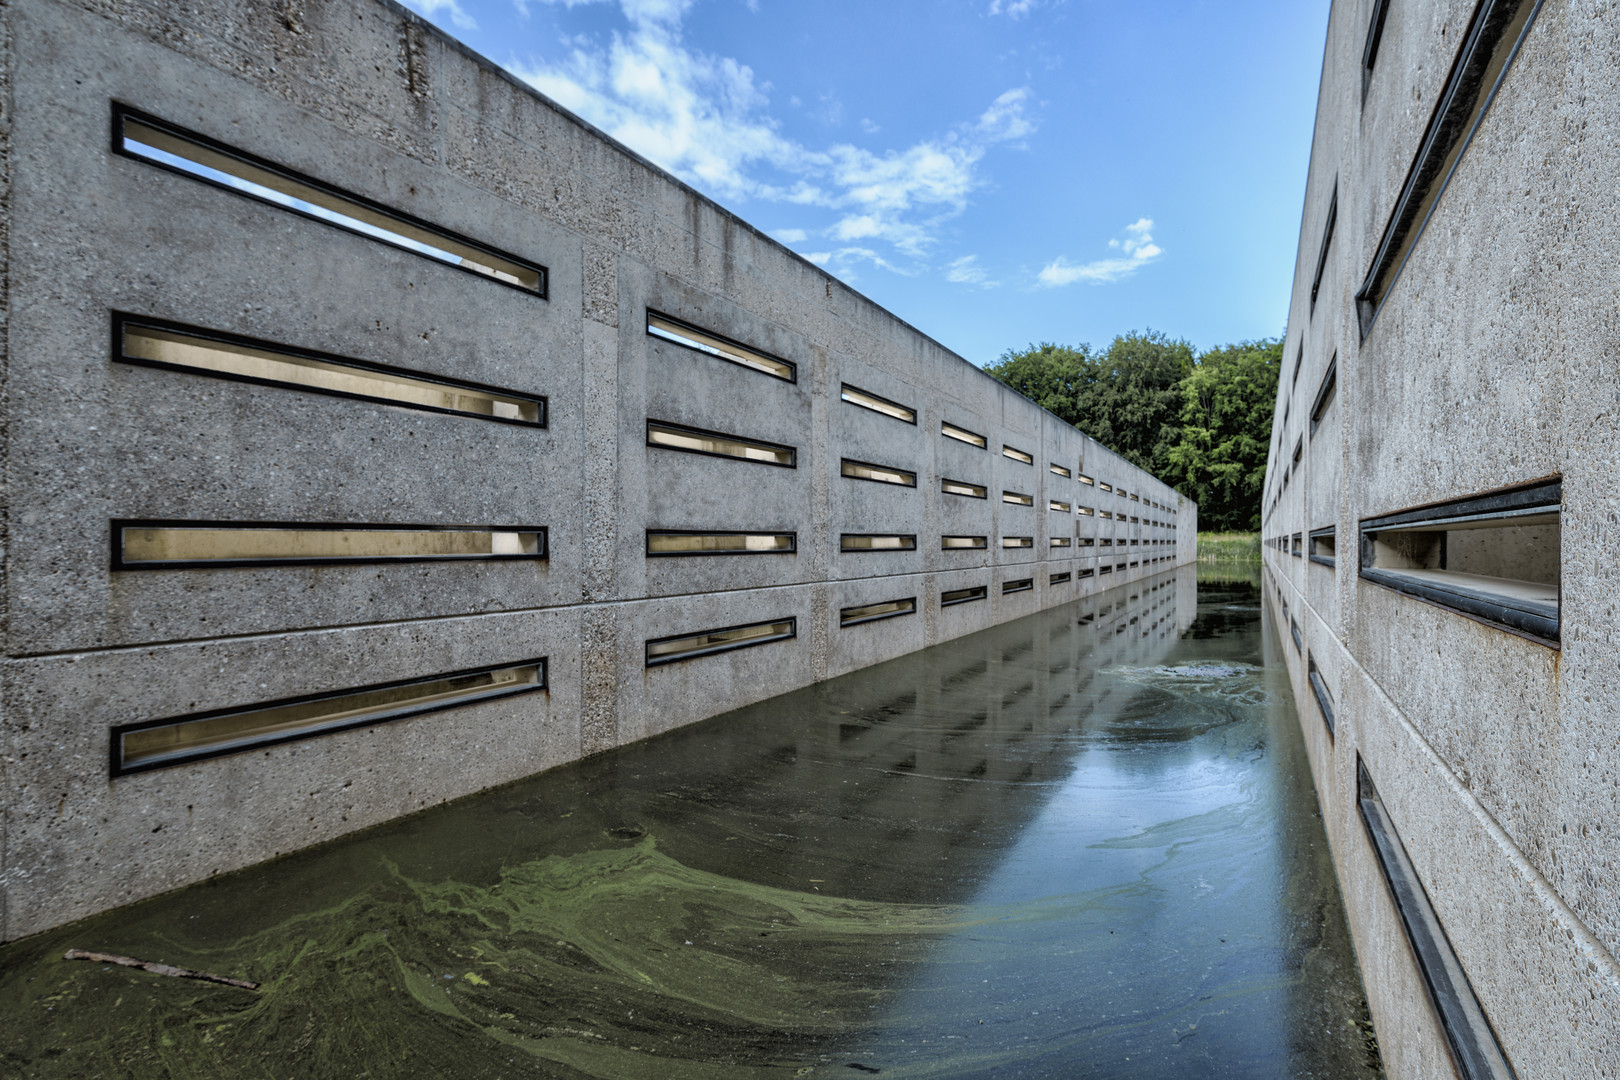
(1079, 845)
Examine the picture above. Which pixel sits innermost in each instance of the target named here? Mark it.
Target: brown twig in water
(156, 969)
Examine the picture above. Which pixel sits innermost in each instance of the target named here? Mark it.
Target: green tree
(1219, 459)
(1128, 398)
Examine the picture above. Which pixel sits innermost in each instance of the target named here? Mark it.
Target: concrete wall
(369, 98)
(1493, 363)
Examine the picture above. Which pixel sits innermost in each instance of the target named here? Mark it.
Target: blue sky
(995, 172)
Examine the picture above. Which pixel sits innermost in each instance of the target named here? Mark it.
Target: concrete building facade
(1440, 522)
(377, 432)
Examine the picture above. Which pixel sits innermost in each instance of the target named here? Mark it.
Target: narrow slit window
(1059, 470)
(1017, 541)
(1488, 47)
(1088, 541)
(962, 487)
(951, 431)
(878, 404)
(154, 744)
(1084, 479)
(689, 336)
(1324, 393)
(1105, 569)
(1319, 689)
(1084, 511)
(1057, 504)
(714, 444)
(1061, 542)
(877, 542)
(1493, 557)
(1293, 629)
(1473, 1046)
(964, 543)
(692, 542)
(1017, 455)
(1017, 498)
(175, 545)
(1059, 579)
(1321, 259)
(157, 142)
(1106, 515)
(865, 613)
(690, 646)
(1324, 546)
(879, 474)
(1369, 51)
(1106, 487)
(1296, 544)
(1086, 572)
(1021, 585)
(1299, 450)
(962, 596)
(151, 343)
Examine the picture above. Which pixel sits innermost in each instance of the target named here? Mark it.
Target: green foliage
(1202, 424)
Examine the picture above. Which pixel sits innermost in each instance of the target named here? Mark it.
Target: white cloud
(452, 10)
(791, 236)
(706, 118)
(1013, 9)
(1139, 249)
(870, 126)
(967, 271)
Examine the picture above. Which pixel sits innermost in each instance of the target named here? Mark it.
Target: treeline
(1199, 422)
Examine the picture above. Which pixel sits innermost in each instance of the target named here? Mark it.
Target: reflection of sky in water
(1060, 847)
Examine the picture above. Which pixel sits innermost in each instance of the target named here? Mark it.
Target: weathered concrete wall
(1493, 363)
(368, 98)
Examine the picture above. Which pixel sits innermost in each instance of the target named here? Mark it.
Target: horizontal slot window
(1058, 505)
(171, 545)
(1134, 497)
(964, 543)
(1021, 585)
(1087, 572)
(1296, 545)
(1059, 469)
(1321, 258)
(880, 474)
(1324, 546)
(1059, 579)
(1473, 1046)
(690, 646)
(877, 542)
(1293, 629)
(163, 345)
(685, 542)
(1319, 689)
(1107, 541)
(714, 444)
(1106, 487)
(853, 616)
(1488, 48)
(1084, 479)
(1494, 557)
(160, 143)
(961, 487)
(1324, 394)
(137, 747)
(1017, 455)
(1084, 511)
(1061, 541)
(1088, 541)
(951, 431)
(1017, 498)
(878, 404)
(1119, 566)
(1105, 569)
(662, 326)
(962, 596)
(1017, 541)
(1106, 515)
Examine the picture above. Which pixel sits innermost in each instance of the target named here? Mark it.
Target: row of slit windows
(140, 747)
(166, 543)
(1471, 1041)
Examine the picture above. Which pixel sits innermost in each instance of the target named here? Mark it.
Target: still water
(1083, 844)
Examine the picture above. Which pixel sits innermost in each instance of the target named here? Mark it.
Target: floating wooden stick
(157, 969)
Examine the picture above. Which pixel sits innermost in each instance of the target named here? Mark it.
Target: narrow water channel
(1083, 844)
